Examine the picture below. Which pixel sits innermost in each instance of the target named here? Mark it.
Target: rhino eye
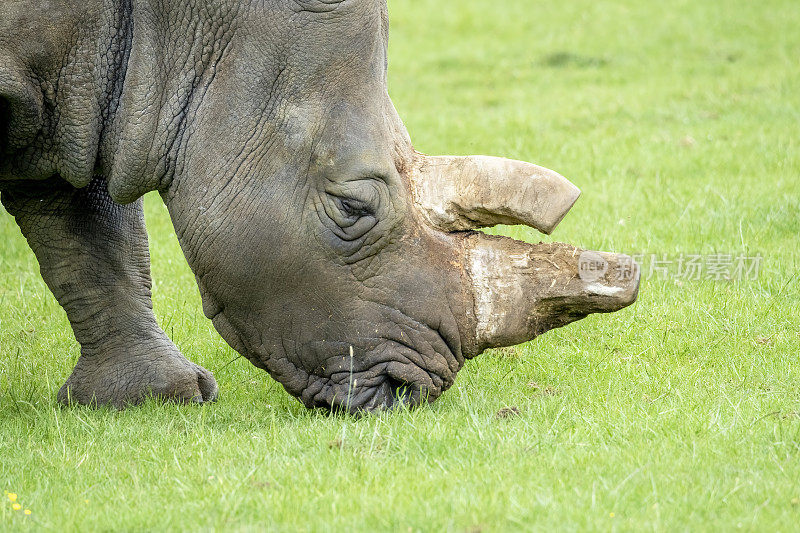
(352, 208)
(349, 218)
(351, 215)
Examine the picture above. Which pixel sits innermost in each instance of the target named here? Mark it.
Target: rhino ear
(20, 107)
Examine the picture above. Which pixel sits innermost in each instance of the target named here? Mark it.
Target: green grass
(680, 122)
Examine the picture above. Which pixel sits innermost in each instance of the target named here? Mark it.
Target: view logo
(591, 266)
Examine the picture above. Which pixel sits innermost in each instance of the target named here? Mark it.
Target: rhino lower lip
(390, 394)
(389, 374)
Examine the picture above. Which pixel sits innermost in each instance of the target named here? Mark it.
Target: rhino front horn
(463, 193)
(521, 290)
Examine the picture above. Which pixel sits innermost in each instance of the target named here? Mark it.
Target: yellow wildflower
(27, 511)
(16, 507)
(611, 515)
(12, 496)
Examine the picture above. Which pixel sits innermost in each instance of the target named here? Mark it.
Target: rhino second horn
(463, 193)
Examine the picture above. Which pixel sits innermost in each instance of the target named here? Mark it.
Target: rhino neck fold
(163, 91)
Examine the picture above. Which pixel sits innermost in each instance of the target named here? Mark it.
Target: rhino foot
(124, 376)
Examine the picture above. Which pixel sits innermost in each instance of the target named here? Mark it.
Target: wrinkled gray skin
(267, 128)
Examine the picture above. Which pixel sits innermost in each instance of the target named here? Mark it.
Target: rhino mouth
(407, 366)
(404, 363)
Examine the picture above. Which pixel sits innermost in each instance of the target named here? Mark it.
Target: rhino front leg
(94, 256)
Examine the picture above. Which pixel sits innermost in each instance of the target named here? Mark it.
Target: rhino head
(332, 254)
(327, 250)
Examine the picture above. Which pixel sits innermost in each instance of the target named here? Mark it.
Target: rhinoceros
(327, 251)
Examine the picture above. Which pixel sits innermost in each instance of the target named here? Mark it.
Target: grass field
(680, 121)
